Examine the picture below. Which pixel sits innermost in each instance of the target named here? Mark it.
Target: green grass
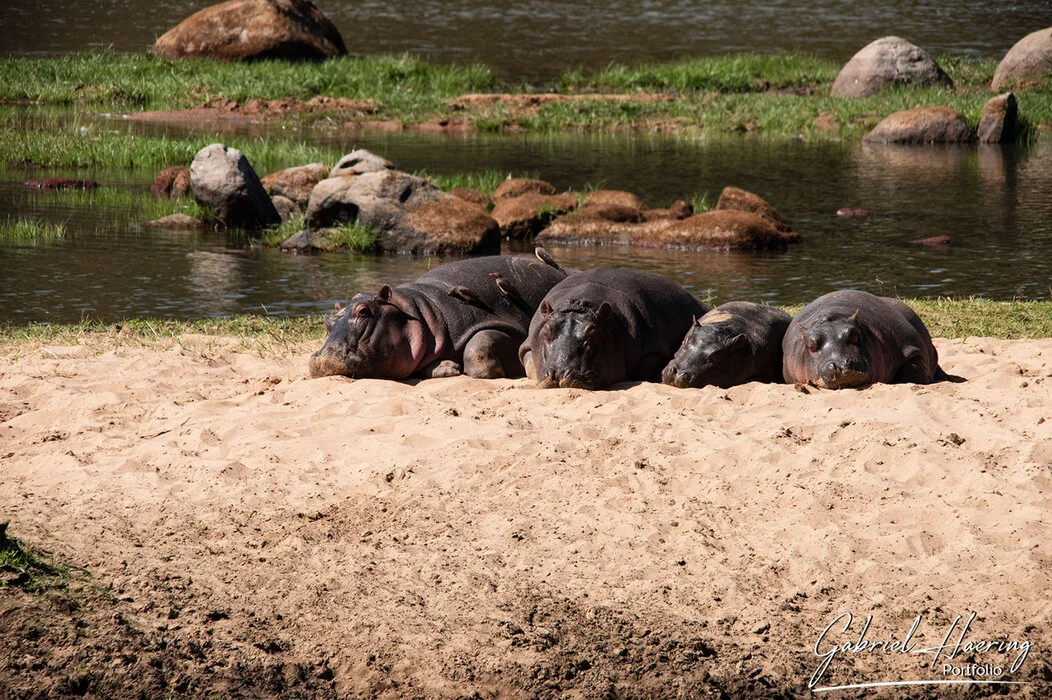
(24, 566)
(34, 231)
(351, 236)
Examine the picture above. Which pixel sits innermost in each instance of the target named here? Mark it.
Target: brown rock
(1030, 57)
(240, 30)
(607, 211)
(722, 230)
(173, 181)
(527, 214)
(295, 183)
(923, 125)
(176, 222)
(625, 200)
(884, 62)
(516, 187)
(680, 209)
(449, 226)
(474, 196)
(999, 120)
(733, 198)
(285, 207)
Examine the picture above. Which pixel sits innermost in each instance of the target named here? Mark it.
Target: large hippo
(851, 338)
(735, 343)
(468, 317)
(603, 326)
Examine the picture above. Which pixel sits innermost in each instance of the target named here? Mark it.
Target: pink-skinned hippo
(604, 326)
(465, 317)
(850, 338)
(735, 343)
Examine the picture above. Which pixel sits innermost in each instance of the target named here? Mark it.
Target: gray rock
(222, 179)
(923, 125)
(339, 199)
(176, 222)
(296, 183)
(884, 62)
(999, 120)
(360, 162)
(1031, 56)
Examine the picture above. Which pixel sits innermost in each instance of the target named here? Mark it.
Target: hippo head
(834, 353)
(710, 354)
(370, 337)
(576, 346)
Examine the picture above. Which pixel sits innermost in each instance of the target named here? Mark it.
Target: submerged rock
(885, 62)
(240, 30)
(923, 125)
(61, 183)
(176, 222)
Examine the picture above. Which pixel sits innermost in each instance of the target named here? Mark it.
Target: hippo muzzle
(680, 378)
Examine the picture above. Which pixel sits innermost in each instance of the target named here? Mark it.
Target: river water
(533, 40)
(993, 202)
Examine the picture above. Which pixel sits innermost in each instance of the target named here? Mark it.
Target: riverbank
(773, 95)
(217, 523)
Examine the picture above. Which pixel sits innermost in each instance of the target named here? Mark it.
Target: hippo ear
(545, 308)
(854, 317)
(604, 314)
(739, 341)
(384, 295)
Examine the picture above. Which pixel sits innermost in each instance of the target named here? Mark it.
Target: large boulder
(222, 179)
(525, 215)
(884, 62)
(295, 183)
(999, 120)
(733, 198)
(1030, 57)
(447, 226)
(360, 162)
(339, 199)
(720, 230)
(923, 125)
(240, 30)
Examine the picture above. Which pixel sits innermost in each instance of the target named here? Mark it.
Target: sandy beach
(245, 530)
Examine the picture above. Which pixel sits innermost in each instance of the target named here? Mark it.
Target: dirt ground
(234, 528)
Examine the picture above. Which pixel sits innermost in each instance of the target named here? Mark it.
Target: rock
(295, 183)
(999, 120)
(625, 200)
(680, 209)
(241, 30)
(885, 62)
(525, 215)
(61, 183)
(472, 195)
(300, 242)
(222, 179)
(285, 207)
(1030, 57)
(723, 230)
(383, 192)
(736, 199)
(173, 181)
(176, 222)
(360, 162)
(923, 125)
(932, 242)
(516, 187)
(608, 211)
(448, 226)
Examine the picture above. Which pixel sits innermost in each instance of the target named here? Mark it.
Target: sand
(246, 530)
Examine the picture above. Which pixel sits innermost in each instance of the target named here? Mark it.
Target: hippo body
(850, 338)
(604, 326)
(735, 343)
(468, 317)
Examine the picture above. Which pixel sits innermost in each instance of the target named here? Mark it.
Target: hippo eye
(363, 312)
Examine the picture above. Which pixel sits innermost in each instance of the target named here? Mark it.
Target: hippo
(465, 317)
(735, 343)
(604, 325)
(850, 338)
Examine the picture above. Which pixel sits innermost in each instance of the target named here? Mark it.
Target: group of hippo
(509, 316)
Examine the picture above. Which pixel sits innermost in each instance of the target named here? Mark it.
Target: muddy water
(534, 40)
(993, 202)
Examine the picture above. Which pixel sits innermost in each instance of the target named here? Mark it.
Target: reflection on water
(536, 39)
(992, 201)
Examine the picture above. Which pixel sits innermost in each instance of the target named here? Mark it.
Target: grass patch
(23, 566)
(31, 231)
(485, 181)
(351, 236)
(273, 237)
